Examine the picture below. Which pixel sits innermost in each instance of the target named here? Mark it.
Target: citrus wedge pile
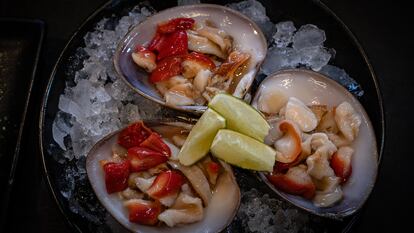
(243, 151)
(232, 131)
(199, 140)
(240, 116)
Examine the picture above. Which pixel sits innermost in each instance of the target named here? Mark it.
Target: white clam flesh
(202, 44)
(348, 120)
(187, 212)
(144, 184)
(218, 31)
(186, 209)
(347, 125)
(329, 196)
(271, 102)
(299, 113)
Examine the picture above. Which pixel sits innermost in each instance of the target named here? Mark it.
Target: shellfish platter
(210, 117)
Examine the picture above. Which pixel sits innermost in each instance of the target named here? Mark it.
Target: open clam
(245, 37)
(309, 88)
(219, 204)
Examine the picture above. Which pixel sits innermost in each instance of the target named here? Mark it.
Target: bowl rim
(110, 4)
(197, 109)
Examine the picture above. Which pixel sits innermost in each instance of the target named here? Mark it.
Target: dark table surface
(383, 29)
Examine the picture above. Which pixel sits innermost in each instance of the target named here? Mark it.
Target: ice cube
(68, 106)
(148, 109)
(255, 11)
(284, 33)
(60, 129)
(261, 213)
(280, 58)
(343, 78)
(120, 91)
(126, 22)
(314, 57)
(79, 139)
(59, 135)
(94, 71)
(268, 29)
(101, 95)
(252, 9)
(308, 35)
(129, 114)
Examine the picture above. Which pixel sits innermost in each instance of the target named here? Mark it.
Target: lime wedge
(240, 116)
(201, 136)
(242, 151)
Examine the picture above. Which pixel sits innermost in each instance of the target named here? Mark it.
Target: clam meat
(138, 179)
(325, 145)
(185, 55)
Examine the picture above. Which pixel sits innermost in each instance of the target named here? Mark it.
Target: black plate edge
(354, 219)
(42, 27)
(42, 113)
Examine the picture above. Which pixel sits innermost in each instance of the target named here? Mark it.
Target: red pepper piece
(133, 135)
(173, 44)
(167, 183)
(166, 68)
(142, 159)
(116, 176)
(176, 24)
(155, 142)
(143, 212)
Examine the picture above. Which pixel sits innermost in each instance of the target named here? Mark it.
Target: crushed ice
(99, 103)
(260, 213)
(308, 36)
(96, 103)
(343, 78)
(292, 49)
(256, 12)
(284, 34)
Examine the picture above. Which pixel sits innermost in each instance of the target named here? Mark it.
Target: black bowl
(92, 216)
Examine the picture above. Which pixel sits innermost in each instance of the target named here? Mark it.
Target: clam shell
(314, 88)
(217, 215)
(246, 34)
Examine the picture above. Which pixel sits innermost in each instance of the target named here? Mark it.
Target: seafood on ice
(326, 158)
(190, 59)
(136, 175)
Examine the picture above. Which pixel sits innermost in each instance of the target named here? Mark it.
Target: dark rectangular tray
(20, 45)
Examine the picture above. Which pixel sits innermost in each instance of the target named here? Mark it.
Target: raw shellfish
(246, 38)
(351, 123)
(222, 203)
